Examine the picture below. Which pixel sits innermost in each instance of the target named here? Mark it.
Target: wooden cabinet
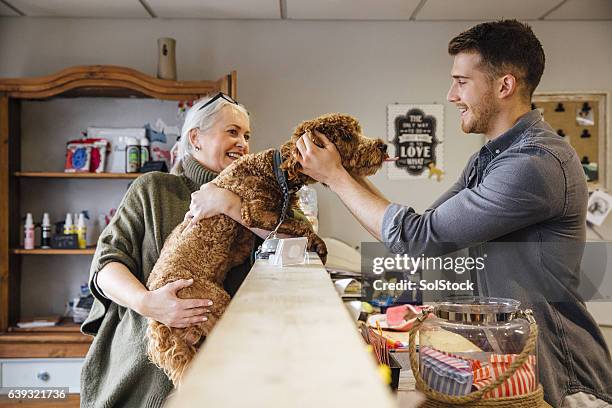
(83, 81)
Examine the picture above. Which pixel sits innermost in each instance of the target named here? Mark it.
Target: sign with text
(415, 133)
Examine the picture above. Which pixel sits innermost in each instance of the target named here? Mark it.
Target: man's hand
(321, 163)
(209, 201)
(165, 307)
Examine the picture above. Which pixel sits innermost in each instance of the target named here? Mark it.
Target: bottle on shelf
(82, 231)
(132, 155)
(144, 151)
(28, 232)
(68, 225)
(45, 232)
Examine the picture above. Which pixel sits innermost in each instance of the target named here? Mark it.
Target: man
(525, 186)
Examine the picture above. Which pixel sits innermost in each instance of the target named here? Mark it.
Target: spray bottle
(28, 232)
(68, 226)
(45, 233)
(82, 231)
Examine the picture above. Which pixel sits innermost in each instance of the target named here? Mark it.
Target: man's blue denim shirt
(521, 200)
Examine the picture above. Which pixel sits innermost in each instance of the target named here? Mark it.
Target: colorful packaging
(78, 157)
(98, 155)
(522, 382)
(115, 157)
(85, 155)
(444, 373)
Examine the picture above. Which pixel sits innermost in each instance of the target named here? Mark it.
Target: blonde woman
(116, 371)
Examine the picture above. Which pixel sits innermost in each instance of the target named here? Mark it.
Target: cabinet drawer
(56, 372)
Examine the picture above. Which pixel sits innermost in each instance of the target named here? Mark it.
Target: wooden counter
(286, 340)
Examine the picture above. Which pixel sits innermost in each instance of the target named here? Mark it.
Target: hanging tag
(290, 251)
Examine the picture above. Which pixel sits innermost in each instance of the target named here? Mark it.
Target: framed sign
(415, 134)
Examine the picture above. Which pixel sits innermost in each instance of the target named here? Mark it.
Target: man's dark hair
(505, 46)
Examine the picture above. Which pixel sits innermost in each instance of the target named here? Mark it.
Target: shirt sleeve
(520, 188)
(460, 184)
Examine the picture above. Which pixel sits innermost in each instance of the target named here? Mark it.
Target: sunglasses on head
(220, 95)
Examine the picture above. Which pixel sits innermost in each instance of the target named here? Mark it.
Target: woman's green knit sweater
(116, 372)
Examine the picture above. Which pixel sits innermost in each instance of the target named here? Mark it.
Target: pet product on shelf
(85, 155)
(116, 159)
(28, 232)
(494, 366)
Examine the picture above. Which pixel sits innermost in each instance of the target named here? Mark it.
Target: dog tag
(290, 251)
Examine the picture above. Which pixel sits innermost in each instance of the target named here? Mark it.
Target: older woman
(116, 370)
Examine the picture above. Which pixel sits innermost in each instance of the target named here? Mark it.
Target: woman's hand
(165, 307)
(209, 201)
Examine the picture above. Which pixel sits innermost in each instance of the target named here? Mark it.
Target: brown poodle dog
(207, 251)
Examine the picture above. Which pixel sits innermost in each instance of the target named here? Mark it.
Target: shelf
(64, 340)
(65, 326)
(39, 251)
(119, 176)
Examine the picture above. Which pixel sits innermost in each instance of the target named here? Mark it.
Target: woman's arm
(122, 287)
(211, 200)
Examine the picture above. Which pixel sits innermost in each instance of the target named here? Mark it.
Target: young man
(525, 186)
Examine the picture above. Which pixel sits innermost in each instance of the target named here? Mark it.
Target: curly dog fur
(207, 251)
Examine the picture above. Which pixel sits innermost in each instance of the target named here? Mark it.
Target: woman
(116, 371)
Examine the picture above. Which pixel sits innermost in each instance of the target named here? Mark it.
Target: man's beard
(482, 115)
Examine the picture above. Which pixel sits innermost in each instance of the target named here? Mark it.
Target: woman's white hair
(202, 119)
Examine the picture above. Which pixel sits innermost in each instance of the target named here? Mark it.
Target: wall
(289, 71)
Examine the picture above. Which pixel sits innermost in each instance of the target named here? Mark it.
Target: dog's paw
(316, 244)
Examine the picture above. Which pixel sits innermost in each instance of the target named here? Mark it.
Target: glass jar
(466, 343)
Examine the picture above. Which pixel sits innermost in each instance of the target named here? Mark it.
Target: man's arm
(521, 189)
(366, 205)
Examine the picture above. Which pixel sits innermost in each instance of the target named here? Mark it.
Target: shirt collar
(506, 139)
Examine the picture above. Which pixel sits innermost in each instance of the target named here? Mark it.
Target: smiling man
(521, 200)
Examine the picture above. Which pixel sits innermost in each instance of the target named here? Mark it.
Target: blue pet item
(155, 136)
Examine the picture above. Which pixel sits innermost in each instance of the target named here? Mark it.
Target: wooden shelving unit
(82, 81)
(120, 176)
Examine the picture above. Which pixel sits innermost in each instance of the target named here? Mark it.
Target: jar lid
(477, 309)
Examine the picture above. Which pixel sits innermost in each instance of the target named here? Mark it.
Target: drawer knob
(43, 376)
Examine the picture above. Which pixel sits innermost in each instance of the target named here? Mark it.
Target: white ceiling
(419, 10)
(351, 9)
(80, 8)
(485, 9)
(6, 11)
(583, 10)
(216, 9)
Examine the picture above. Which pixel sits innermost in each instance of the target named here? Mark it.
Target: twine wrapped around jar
(437, 399)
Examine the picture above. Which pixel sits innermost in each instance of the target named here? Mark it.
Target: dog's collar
(283, 183)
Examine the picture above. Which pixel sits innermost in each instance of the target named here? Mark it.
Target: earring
(197, 148)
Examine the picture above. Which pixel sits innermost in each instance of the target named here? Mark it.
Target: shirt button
(496, 151)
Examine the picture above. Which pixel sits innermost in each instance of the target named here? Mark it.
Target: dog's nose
(383, 147)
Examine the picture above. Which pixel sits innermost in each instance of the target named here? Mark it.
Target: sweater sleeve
(119, 242)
